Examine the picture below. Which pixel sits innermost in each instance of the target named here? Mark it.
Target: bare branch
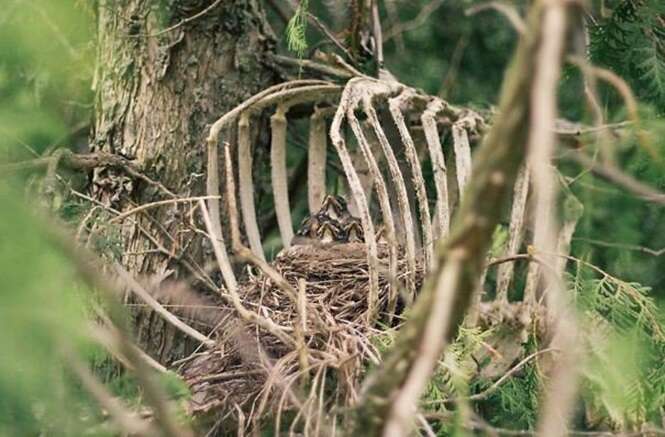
(234, 297)
(125, 419)
(462, 157)
(159, 309)
(506, 10)
(616, 176)
(423, 15)
(559, 397)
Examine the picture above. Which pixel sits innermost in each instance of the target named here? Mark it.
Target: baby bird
(335, 207)
(353, 230)
(317, 229)
(330, 232)
(381, 235)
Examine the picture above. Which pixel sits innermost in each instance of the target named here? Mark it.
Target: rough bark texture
(157, 92)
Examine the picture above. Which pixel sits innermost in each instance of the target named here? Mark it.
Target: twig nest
(255, 372)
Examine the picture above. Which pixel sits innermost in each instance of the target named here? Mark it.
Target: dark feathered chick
(330, 231)
(316, 229)
(335, 207)
(381, 235)
(353, 230)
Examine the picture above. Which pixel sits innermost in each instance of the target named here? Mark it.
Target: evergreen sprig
(296, 38)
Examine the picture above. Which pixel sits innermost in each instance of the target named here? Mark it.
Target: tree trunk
(164, 73)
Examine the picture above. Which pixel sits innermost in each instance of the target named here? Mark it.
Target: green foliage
(41, 313)
(45, 73)
(624, 371)
(631, 41)
(296, 29)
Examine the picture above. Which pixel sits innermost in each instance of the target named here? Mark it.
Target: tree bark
(165, 71)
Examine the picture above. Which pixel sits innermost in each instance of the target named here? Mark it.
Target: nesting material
(253, 375)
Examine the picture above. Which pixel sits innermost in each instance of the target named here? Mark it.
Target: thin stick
(508, 11)
(125, 419)
(182, 22)
(158, 308)
(232, 293)
(423, 15)
(300, 329)
(156, 204)
(618, 177)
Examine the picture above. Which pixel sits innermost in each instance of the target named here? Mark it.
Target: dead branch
(506, 10)
(616, 176)
(622, 246)
(423, 15)
(159, 309)
(462, 157)
(559, 396)
(390, 393)
(234, 297)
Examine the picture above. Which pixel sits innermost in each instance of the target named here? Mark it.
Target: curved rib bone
(442, 213)
(402, 197)
(462, 156)
(516, 233)
(246, 186)
(280, 184)
(417, 175)
(384, 203)
(316, 161)
(212, 187)
(349, 97)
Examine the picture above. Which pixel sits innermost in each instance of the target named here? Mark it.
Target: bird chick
(381, 235)
(329, 232)
(353, 230)
(335, 207)
(317, 229)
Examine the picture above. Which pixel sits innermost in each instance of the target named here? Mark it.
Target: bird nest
(255, 374)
